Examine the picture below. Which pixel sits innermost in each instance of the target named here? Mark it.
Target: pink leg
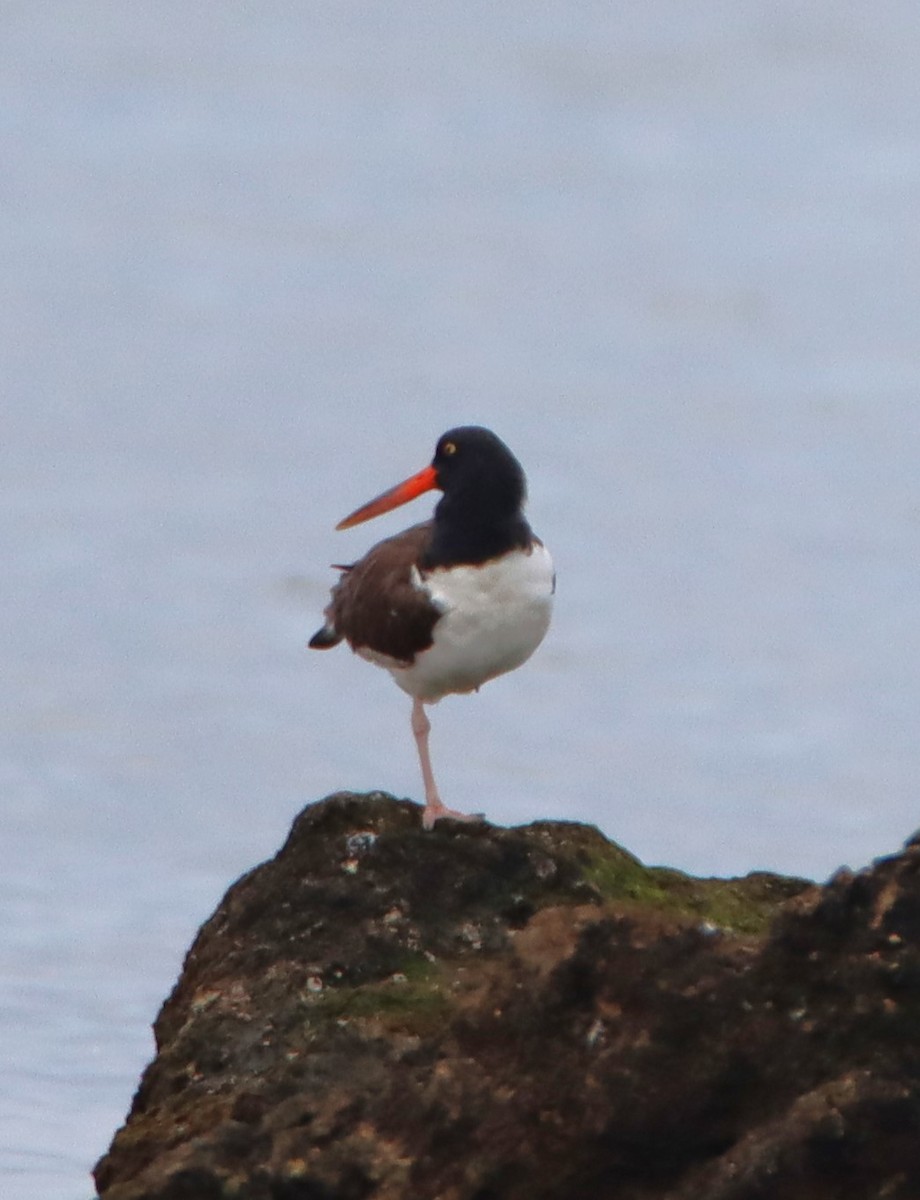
(434, 805)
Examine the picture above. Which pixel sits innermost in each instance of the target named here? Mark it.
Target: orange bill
(424, 481)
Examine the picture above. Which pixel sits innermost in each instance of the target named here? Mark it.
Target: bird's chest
(493, 618)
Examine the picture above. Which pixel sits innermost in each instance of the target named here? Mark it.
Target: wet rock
(480, 1013)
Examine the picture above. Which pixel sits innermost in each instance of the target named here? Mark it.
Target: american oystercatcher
(449, 604)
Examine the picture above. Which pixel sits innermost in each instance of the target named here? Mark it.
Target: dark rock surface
(480, 1014)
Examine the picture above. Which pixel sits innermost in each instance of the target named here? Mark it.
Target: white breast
(494, 618)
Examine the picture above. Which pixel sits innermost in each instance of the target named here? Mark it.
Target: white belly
(494, 618)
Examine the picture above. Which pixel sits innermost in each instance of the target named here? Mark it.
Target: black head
(484, 490)
(476, 467)
(479, 516)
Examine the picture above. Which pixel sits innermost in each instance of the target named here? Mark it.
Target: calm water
(255, 259)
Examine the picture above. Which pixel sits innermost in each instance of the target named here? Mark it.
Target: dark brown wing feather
(375, 603)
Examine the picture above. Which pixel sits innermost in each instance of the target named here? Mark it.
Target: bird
(452, 602)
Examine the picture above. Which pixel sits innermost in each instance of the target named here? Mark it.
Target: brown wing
(375, 603)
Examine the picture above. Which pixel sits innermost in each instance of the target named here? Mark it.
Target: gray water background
(255, 258)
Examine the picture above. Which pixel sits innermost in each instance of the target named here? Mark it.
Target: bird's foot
(438, 811)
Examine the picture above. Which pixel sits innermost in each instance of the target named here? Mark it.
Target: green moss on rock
(743, 905)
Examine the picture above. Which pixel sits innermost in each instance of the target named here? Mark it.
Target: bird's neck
(473, 534)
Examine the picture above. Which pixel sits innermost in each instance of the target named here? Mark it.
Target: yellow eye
(449, 448)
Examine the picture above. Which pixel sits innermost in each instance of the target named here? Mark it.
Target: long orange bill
(424, 481)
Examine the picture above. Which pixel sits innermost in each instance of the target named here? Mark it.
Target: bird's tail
(324, 639)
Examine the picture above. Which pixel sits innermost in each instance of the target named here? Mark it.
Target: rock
(531, 1014)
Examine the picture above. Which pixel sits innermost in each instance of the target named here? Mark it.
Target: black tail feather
(324, 639)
